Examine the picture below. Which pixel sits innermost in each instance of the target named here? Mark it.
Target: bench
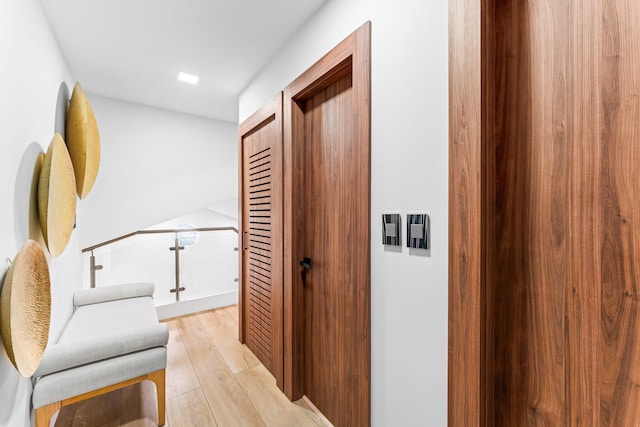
(112, 340)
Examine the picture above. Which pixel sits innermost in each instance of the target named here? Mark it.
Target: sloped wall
(156, 164)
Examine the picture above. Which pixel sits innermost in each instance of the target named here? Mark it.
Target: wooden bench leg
(44, 414)
(158, 378)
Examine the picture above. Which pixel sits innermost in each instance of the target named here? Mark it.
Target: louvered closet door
(261, 236)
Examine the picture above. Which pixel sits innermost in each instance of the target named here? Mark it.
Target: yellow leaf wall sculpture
(83, 141)
(25, 308)
(57, 197)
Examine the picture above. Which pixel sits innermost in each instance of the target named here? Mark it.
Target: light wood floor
(212, 380)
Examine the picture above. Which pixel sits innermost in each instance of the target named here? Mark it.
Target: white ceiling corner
(133, 50)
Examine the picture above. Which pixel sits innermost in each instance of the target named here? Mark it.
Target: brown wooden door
(261, 236)
(335, 322)
(327, 139)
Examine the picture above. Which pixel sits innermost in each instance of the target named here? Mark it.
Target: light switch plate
(418, 231)
(391, 229)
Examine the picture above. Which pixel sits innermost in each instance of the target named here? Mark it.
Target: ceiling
(133, 49)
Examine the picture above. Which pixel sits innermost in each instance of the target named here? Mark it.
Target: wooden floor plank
(229, 315)
(190, 410)
(273, 406)
(310, 411)
(174, 334)
(181, 377)
(189, 326)
(228, 401)
(237, 356)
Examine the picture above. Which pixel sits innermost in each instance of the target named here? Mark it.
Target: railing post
(177, 248)
(92, 270)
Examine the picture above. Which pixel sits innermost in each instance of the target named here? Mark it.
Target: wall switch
(418, 231)
(391, 229)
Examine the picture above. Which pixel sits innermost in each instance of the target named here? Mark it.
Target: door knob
(306, 263)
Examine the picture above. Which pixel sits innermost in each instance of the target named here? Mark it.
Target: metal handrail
(173, 230)
(93, 267)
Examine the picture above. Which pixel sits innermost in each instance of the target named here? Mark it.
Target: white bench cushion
(105, 318)
(71, 354)
(111, 293)
(83, 379)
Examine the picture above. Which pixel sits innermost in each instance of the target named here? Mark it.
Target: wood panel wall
(527, 93)
(544, 213)
(617, 213)
(465, 230)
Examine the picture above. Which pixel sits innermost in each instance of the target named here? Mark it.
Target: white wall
(155, 165)
(32, 72)
(409, 174)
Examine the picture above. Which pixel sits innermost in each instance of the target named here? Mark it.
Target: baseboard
(193, 306)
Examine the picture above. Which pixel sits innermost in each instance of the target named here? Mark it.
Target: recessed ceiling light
(188, 78)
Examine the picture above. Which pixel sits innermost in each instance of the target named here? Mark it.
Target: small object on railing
(176, 290)
(189, 237)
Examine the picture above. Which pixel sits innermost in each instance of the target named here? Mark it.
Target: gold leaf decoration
(25, 308)
(35, 230)
(83, 141)
(57, 197)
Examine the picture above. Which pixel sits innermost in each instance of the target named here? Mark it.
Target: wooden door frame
(352, 54)
(469, 219)
(270, 112)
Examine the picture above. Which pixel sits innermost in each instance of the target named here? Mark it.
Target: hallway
(212, 380)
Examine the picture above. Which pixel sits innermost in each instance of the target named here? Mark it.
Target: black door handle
(306, 263)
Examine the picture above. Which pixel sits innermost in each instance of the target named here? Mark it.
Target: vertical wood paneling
(465, 393)
(546, 245)
(556, 217)
(530, 256)
(618, 210)
(294, 322)
(488, 196)
(512, 297)
(583, 307)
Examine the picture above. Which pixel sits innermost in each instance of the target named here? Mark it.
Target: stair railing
(177, 248)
